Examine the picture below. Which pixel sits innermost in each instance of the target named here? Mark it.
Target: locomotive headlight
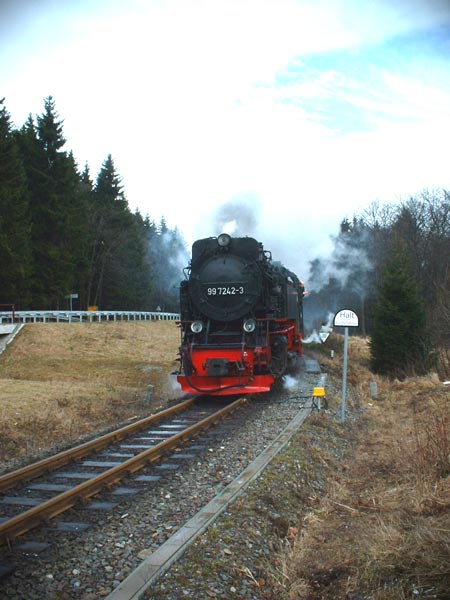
(196, 326)
(249, 325)
(224, 240)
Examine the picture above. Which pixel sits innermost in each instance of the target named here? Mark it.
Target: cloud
(301, 112)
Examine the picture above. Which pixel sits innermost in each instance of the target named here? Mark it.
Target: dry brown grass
(62, 381)
(382, 531)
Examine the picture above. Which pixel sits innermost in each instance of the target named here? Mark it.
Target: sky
(270, 118)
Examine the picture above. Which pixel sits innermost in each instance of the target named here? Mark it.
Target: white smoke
(176, 255)
(344, 262)
(293, 243)
(237, 217)
(289, 382)
(326, 327)
(313, 338)
(173, 386)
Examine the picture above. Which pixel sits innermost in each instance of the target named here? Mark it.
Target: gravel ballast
(232, 558)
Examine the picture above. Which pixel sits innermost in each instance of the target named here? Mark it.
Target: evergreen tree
(50, 132)
(120, 276)
(15, 227)
(77, 243)
(136, 281)
(61, 234)
(107, 191)
(163, 228)
(56, 208)
(83, 265)
(398, 345)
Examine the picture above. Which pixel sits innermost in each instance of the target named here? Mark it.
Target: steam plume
(237, 217)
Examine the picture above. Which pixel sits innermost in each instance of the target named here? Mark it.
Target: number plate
(225, 290)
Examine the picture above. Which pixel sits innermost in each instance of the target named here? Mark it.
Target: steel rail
(33, 517)
(58, 460)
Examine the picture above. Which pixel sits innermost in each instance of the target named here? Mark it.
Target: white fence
(82, 316)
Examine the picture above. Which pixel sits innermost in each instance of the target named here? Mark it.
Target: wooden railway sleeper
(33, 517)
(51, 463)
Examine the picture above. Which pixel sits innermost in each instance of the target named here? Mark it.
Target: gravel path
(91, 563)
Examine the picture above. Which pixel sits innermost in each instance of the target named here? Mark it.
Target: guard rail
(82, 316)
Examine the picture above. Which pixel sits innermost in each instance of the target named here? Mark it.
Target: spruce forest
(62, 233)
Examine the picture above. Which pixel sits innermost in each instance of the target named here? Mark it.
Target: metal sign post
(71, 297)
(345, 318)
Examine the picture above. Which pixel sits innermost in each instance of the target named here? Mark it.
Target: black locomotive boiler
(241, 318)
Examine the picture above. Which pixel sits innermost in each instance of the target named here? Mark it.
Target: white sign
(346, 318)
(324, 332)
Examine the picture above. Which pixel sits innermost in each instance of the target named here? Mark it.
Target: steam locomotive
(241, 318)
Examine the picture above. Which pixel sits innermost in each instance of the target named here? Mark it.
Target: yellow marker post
(318, 394)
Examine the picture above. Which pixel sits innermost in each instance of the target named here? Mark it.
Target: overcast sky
(288, 115)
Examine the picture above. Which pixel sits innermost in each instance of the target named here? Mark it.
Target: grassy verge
(59, 382)
(381, 529)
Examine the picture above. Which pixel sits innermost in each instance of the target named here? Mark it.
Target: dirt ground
(60, 382)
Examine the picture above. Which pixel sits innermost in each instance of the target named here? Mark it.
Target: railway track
(91, 548)
(39, 492)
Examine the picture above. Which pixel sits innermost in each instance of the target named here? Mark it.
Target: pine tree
(56, 207)
(84, 242)
(50, 132)
(106, 192)
(77, 239)
(120, 276)
(399, 340)
(15, 227)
